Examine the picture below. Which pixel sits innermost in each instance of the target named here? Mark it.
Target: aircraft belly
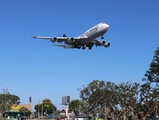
(80, 43)
(91, 36)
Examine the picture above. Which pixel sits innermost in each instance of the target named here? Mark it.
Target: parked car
(81, 117)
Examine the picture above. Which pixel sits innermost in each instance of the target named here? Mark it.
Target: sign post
(66, 102)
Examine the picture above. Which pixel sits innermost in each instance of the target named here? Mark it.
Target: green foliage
(148, 99)
(6, 101)
(47, 106)
(149, 91)
(38, 108)
(99, 97)
(76, 106)
(25, 111)
(140, 99)
(152, 75)
(127, 98)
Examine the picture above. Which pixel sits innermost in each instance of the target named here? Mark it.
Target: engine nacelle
(103, 42)
(53, 39)
(107, 44)
(71, 40)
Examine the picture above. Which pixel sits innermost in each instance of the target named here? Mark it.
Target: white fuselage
(87, 39)
(96, 31)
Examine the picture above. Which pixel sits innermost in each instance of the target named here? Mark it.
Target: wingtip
(34, 37)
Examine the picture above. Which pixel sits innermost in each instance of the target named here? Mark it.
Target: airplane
(87, 39)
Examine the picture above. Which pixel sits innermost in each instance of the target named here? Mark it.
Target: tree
(46, 106)
(141, 100)
(148, 100)
(25, 111)
(76, 106)
(152, 75)
(6, 102)
(127, 98)
(137, 99)
(38, 107)
(92, 95)
(99, 97)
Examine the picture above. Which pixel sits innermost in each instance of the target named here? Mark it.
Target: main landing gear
(102, 37)
(83, 48)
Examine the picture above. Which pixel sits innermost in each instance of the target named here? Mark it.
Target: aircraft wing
(52, 39)
(75, 42)
(41, 37)
(61, 39)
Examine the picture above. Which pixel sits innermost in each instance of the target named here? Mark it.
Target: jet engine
(71, 40)
(103, 42)
(53, 39)
(107, 44)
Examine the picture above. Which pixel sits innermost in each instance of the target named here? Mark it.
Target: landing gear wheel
(90, 47)
(83, 48)
(102, 37)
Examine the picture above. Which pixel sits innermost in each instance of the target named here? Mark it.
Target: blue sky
(32, 67)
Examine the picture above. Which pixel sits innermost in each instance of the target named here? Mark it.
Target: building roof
(15, 108)
(28, 106)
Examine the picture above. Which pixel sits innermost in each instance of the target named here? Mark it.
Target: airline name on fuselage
(93, 29)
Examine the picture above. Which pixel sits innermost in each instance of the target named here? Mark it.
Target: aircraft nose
(107, 26)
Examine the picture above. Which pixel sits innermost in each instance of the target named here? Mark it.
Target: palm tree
(46, 103)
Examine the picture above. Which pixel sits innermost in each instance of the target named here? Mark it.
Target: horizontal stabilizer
(59, 45)
(65, 46)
